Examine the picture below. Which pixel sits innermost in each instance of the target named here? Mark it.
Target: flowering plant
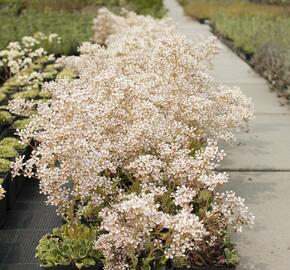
(2, 192)
(20, 55)
(131, 146)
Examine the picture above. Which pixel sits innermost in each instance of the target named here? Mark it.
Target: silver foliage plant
(134, 141)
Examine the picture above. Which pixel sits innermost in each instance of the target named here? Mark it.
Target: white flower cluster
(136, 135)
(21, 107)
(107, 25)
(19, 55)
(130, 222)
(2, 192)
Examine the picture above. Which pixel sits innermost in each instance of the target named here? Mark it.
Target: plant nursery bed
(70, 267)
(3, 211)
(10, 187)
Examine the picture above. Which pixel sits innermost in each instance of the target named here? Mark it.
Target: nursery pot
(11, 192)
(3, 129)
(9, 132)
(10, 188)
(71, 267)
(20, 179)
(3, 211)
(18, 183)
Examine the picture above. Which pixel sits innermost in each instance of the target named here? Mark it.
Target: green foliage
(68, 245)
(49, 75)
(195, 147)
(20, 124)
(16, 7)
(17, 87)
(27, 94)
(73, 28)
(251, 32)
(231, 256)
(149, 258)
(4, 165)
(44, 94)
(2, 97)
(7, 151)
(67, 73)
(11, 6)
(6, 118)
(5, 89)
(155, 8)
(12, 142)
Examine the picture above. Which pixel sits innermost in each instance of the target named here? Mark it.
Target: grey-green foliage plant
(5, 118)
(231, 256)
(273, 61)
(8, 151)
(69, 245)
(155, 8)
(13, 142)
(4, 165)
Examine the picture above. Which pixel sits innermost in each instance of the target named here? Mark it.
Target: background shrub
(154, 8)
(259, 30)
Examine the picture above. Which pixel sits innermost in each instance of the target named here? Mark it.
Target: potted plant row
(127, 153)
(23, 81)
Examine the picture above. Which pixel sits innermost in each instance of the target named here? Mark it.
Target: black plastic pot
(20, 179)
(2, 128)
(18, 182)
(71, 267)
(3, 211)
(9, 132)
(10, 191)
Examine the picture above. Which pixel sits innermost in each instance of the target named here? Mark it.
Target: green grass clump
(155, 8)
(251, 32)
(44, 94)
(49, 75)
(207, 9)
(13, 142)
(2, 96)
(73, 28)
(5, 89)
(7, 152)
(20, 124)
(6, 118)
(27, 94)
(67, 73)
(53, 67)
(4, 165)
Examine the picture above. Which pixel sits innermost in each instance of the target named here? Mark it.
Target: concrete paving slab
(233, 69)
(266, 146)
(232, 75)
(267, 245)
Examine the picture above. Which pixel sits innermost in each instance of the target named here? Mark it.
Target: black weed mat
(25, 224)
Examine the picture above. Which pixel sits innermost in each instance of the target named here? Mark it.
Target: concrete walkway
(259, 164)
